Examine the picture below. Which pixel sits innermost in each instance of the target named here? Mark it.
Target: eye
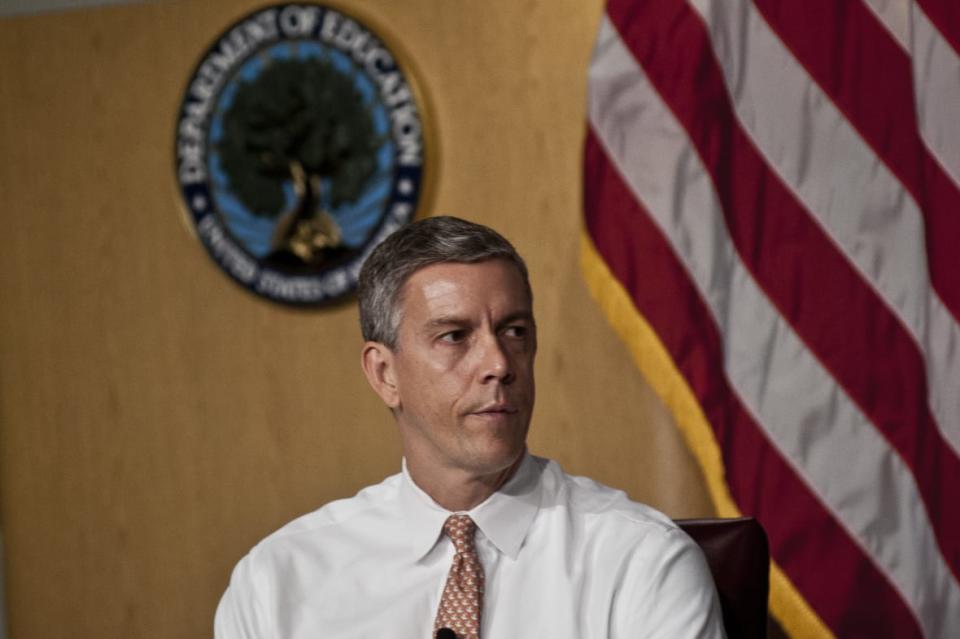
(454, 337)
(517, 330)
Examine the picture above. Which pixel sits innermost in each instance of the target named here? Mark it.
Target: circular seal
(299, 147)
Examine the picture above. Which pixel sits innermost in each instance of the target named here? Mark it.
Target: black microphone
(446, 633)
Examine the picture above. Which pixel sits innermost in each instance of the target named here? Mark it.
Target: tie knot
(460, 529)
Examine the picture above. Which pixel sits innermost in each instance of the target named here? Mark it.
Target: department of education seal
(299, 147)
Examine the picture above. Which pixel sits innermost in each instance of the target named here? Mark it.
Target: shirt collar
(504, 517)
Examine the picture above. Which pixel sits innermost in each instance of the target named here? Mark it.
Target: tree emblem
(299, 146)
(300, 122)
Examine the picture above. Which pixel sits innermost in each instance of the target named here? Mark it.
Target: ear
(378, 365)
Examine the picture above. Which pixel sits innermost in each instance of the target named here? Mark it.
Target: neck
(456, 489)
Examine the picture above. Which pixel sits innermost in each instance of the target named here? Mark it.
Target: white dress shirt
(563, 557)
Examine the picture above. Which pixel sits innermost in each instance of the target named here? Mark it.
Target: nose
(495, 363)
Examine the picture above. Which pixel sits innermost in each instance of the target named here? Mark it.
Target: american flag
(772, 213)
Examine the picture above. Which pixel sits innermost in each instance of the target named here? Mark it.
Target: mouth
(494, 410)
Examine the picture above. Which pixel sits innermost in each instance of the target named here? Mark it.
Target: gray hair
(428, 241)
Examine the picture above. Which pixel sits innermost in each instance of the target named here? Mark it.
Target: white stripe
(895, 16)
(804, 413)
(936, 77)
(844, 185)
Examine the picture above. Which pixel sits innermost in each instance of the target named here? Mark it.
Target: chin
(498, 457)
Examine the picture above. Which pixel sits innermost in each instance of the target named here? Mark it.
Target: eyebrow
(519, 315)
(455, 320)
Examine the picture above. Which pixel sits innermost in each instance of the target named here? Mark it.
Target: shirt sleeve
(667, 592)
(240, 614)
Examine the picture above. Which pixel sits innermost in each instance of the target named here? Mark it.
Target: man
(475, 536)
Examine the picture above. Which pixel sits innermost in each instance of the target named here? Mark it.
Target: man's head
(446, 310)
(422, 243)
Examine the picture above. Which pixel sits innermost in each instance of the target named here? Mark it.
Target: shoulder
(597, 504)
(313, 541)
(659, 573)
(328, 532)
(609, 529)
(336, 518)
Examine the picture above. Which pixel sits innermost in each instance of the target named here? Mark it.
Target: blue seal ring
(299, 148)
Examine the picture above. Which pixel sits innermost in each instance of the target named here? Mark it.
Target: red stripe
(870, 78)
(841, 320)
(945, 15)
(831, 572)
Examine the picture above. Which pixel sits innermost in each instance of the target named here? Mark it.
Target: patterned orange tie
(462, 599)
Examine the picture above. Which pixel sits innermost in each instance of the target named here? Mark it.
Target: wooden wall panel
(156, 419)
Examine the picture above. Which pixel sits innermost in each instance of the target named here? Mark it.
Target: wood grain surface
(156, 419)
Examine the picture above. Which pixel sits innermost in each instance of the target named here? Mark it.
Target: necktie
(462, 600)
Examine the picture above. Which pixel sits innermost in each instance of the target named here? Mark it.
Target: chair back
(739, 559)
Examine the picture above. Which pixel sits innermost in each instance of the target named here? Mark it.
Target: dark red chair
(739, 558)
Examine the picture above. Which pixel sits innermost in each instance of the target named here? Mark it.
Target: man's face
(464, 366)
